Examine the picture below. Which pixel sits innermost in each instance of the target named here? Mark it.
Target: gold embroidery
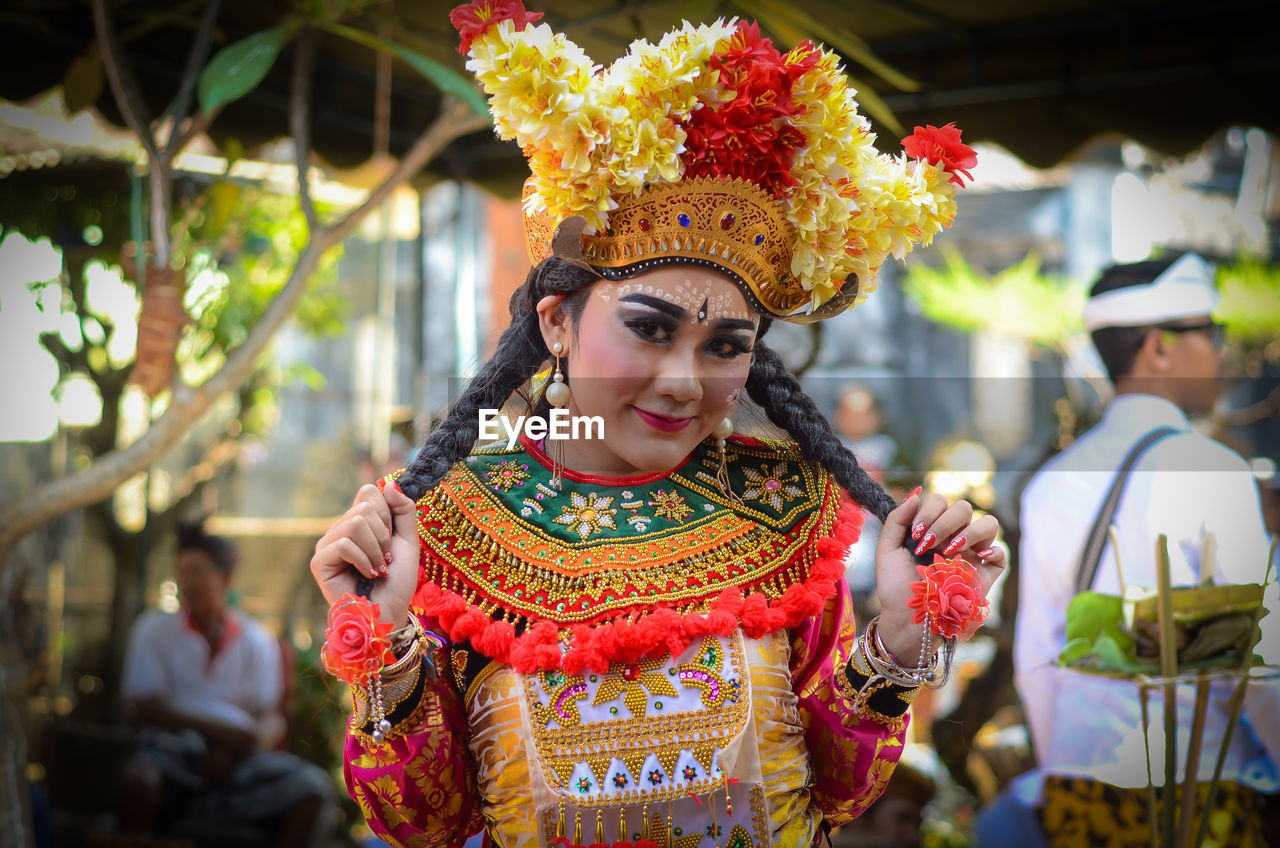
(704, 672)
(587, 514)
(631, 681)
(474, 545)
(507, 474)
(671, 506)
(563, 694)
(458, 660)
(772, 486)
(613, 745)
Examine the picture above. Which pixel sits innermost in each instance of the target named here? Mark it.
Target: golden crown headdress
(710, 147)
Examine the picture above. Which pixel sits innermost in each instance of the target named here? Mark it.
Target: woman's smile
(665, 423)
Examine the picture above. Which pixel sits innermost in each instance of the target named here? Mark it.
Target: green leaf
(237, 68)
(1096, 639)
(1092, 613)
(443, 77)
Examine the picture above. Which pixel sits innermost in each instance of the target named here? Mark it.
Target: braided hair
(777, 392)
(521, 351)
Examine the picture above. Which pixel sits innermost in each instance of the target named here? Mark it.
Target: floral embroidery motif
(770, 486)
(584, 784)
(620, 780)
(507, 474)
(705, 672)
(656, 776)
(671, 506)
(587, 514)
(690, 772)
(635, 682)
(563, 694)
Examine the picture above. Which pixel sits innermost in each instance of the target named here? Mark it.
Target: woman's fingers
(898, 524)
(402, 513)
(371, 496)
(936, 524)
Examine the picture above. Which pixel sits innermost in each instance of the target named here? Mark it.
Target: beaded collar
(619, 568)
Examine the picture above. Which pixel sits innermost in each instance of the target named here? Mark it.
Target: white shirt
(168, 658)
(1184, 486)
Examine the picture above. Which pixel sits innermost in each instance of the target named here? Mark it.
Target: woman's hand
(932, 527)
(363, 540)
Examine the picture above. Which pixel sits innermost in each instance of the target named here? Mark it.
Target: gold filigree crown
(710, 147)
(731, 225)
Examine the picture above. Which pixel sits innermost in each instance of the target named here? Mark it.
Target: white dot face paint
(701, 297)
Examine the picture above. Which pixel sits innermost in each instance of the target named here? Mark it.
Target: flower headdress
(710, 147)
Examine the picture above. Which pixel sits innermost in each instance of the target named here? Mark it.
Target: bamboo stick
(1234, 707)
(1115, 549)
(1188, 807)
(1144, 695)
(1169, 670)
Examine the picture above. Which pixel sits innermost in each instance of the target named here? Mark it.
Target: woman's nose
(678, 377)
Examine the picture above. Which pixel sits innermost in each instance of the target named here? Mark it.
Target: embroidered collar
(612, 568)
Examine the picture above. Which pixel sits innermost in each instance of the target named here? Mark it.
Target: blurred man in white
(1152, 325)
(206, 685)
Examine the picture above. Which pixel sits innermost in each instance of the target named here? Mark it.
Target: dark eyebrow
(734, 324)
(656, 303)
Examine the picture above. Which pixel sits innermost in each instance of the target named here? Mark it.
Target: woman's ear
(553, 321)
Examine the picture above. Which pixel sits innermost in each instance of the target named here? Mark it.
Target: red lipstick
(664, 423)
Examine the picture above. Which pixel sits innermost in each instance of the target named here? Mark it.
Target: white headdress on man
(1183, 290)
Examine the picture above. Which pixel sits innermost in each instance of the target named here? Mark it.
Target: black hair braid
(519, 354)
(780, 395)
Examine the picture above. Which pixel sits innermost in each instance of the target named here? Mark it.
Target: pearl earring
(558, 390)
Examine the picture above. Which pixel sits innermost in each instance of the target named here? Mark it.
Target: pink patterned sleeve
(853, 754)
(417, 789)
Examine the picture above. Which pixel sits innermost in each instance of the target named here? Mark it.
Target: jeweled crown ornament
(710, 147)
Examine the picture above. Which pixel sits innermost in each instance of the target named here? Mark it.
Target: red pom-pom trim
(656, 632)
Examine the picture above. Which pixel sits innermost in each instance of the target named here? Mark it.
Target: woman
(638, 635)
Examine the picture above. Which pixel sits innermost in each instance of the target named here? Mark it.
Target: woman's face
(659, 358)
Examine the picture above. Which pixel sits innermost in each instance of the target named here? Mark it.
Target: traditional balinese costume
(661, 657)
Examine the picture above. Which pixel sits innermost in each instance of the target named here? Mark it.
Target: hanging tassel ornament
(722, 432)
(558, 396)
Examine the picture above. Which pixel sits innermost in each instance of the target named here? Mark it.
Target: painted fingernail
(986, 552)
(928, 540)
(396, 486)
(917, 532)
(956, 544)
(917, 490)
(386, 557)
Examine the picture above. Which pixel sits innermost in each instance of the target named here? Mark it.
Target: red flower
(951, 592)
(356, 643)
(473, 20)
(751, 136)
(942, 144)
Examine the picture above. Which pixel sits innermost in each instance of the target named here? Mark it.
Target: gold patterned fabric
(1079, 813)
(732, 737)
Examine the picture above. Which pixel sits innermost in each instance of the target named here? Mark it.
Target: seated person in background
(206, 684)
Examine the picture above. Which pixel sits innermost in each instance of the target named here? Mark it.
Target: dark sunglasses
(1217, 332)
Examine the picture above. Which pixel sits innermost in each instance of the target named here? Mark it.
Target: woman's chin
(653, 454)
